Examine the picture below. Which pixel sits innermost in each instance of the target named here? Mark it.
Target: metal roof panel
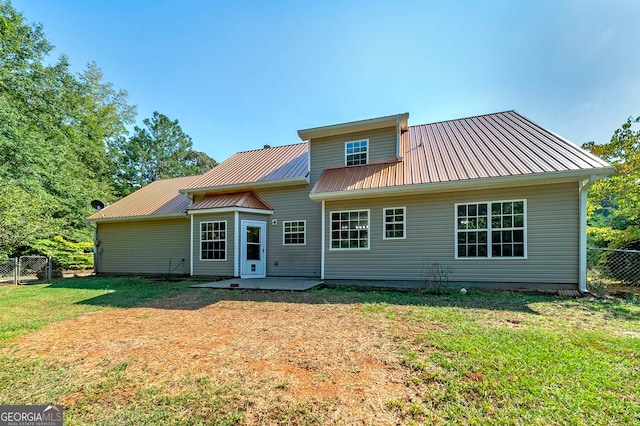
(503, 144)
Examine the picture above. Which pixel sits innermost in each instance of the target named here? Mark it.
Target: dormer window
(356, 152)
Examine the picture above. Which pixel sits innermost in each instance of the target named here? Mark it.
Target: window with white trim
(294, 232)
(213, 240)
(350, 230)
(356, 152)
(394, 223)
(495, 229)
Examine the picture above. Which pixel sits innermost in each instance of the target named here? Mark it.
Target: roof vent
(267, 146)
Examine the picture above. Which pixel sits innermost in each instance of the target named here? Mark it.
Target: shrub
(66, 254)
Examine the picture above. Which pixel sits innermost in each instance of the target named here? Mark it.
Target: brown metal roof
(504, 144)
(156, 199)
(267, 165)
(247, 200)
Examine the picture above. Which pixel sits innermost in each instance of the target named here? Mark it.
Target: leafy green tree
(25, 217)
(613, 203)
(54, 129)
(160, 150)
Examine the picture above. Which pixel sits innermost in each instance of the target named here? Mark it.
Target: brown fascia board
(465, 185)
(248, 186)
(355, 126)
(139, 218)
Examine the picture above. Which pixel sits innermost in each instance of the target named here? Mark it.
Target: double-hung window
(356, 153)
(213, 240)
(394, 223)
(294, 232)
(350, 230)
(495, 229)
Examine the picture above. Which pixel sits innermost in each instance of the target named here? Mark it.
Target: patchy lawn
(135, 351)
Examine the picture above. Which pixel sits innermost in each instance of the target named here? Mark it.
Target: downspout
(236, 243)
(398, 133)
(96, 242)
(322, 245)
(584, 190)
(191, 249)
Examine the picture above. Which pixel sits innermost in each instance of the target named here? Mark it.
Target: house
(494, 200)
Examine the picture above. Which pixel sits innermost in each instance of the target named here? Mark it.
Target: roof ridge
(272, 147)
(465, 118)
(173, 178)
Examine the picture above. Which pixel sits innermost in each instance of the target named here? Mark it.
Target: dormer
(356, 143)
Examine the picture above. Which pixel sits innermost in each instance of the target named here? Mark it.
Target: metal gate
(8, 271)
(24, 269)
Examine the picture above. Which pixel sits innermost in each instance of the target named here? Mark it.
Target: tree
(613, 202)
(25, 218)
(54, 128)
(161, 150)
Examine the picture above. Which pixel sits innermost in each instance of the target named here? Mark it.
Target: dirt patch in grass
(280, 354)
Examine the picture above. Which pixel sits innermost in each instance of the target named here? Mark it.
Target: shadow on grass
(126, 292)
(121, 292)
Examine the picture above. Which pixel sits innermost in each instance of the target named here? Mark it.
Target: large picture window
(213, 240)
(356, 153)
(493, 229)
(350, 230)
(294, 232)
(394, 223)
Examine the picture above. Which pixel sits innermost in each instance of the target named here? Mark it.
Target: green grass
(480, 358)
(27, 308)
(565, 361)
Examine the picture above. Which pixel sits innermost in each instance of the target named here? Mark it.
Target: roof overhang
(466, 185)
(231, 210)
(356, 126)
(248, 186)
(138, 218)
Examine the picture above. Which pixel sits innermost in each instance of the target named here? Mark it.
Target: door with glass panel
(253, 251)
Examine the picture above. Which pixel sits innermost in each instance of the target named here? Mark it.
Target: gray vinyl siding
(329, 151)
(293, 203)
(552, 232)
(218, 268)
(144, 247)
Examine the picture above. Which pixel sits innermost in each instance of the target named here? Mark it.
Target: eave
(355, 126)
(465, 185)
(247, 186)
(139, 218)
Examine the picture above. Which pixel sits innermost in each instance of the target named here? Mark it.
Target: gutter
(582, 268)
(459, 185)
(138, 218)
(249, 186)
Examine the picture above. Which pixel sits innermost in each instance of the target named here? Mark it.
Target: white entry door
(254, 249)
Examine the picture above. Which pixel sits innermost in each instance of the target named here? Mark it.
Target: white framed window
(213, 240)
(492, 229)
(350, 230)
(394, 223)
(294, 232)
(356, 152)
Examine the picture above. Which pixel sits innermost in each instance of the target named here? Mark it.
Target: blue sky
(241, 74)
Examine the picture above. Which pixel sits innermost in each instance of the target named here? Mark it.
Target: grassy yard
(137, 351)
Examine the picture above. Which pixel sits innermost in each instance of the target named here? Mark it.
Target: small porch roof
(245, 200)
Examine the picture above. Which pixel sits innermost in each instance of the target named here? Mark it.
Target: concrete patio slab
(269, 283)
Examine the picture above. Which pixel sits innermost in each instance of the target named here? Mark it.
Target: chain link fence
(613, 267)
(8, 270)
(24, 269)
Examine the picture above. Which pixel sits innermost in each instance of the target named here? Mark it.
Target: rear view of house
(495, 200)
